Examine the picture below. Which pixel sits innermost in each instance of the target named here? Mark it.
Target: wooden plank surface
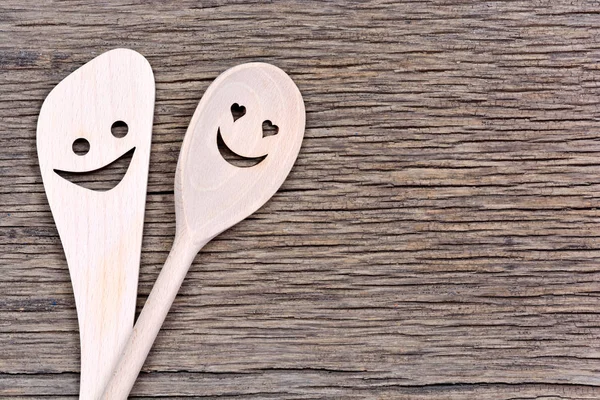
(435, 240)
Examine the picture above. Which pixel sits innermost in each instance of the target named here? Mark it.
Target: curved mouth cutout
(235, 159)
(102, 179)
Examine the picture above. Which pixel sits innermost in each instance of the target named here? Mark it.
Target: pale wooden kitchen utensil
(211, 194)
(101, 231)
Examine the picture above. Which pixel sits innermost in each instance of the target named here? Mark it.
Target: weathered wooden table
(437, 238)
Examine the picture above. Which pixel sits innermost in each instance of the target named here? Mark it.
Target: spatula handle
(151, 319)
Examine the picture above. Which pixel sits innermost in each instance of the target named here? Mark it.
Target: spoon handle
(151, 318)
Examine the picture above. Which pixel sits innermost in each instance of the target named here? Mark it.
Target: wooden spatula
(101, 231)
(212, 194)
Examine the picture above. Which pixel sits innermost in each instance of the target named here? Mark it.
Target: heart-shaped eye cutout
(269, 129)
(237, 111)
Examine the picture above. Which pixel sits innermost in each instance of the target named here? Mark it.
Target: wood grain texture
(436, 238)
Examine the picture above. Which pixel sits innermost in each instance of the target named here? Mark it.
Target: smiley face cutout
(236, 157)
(106, 177)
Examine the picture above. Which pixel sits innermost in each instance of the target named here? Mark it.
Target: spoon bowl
(212, 194)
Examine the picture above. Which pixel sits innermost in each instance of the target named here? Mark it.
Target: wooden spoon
(101, 231)
(211, 194)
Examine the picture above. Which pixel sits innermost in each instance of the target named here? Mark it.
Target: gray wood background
(437, 238)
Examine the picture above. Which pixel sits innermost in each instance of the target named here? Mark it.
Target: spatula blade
(100, 230)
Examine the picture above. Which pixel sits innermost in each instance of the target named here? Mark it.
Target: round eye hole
(119, 129)
(81, 147)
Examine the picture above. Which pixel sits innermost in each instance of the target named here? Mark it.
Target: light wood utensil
(101, 231)
(211, 194)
